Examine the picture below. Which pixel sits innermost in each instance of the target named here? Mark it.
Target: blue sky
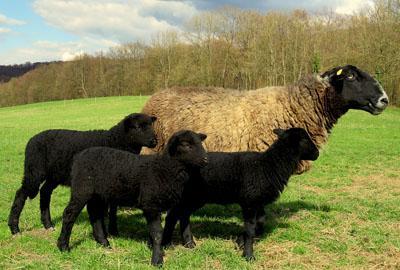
(46, 30)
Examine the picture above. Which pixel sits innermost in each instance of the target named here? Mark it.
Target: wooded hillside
(230, 48)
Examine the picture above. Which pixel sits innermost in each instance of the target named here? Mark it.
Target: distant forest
(12, 71)
(230, 48)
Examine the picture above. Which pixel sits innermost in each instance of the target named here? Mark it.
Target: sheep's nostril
(384, 100)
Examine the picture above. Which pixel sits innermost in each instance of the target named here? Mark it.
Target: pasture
(344, 213)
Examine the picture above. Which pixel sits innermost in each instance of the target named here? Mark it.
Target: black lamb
(251, 179)
(48, 159)
(155, 182)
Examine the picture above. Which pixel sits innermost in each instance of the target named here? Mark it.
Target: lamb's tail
(34, 169)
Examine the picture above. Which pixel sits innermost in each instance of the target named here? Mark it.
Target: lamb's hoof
(48, 226)
(14, 230)
(191, 244)
(240, 241)
(50, 229)
(63, 247)
(105, 244)
(250, 258)
(157, 262)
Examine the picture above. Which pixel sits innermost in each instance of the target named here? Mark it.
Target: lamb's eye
(350, 77)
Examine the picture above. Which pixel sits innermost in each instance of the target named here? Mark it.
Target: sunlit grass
(345, 212)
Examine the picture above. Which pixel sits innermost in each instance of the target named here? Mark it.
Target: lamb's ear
(129, 123)
(278, 131)
(202, 136)
(153, 118)
(172, 146)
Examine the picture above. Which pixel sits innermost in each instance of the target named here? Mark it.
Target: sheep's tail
(31, 186)
(34, 169)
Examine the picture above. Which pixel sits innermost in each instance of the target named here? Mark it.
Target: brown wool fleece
(244, 120)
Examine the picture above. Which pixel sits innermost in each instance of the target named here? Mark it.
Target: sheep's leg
(112, 219)
(154, 223)
(16, 209)
(260, 221)
(45, 196)
(71, 212)
(249, 216)
(95, 210)
(186, 232)
(170, 223)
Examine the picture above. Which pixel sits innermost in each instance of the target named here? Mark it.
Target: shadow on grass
(216, 221)
(212, 220)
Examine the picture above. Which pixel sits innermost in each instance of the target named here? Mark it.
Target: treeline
(230, 48)
(12, 71)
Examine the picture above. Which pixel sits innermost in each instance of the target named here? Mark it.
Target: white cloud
(346, 7)
(4, 30)
(116, 20)
(9, 21)
(44, 50)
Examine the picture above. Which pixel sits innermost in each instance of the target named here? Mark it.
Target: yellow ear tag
(339, 72)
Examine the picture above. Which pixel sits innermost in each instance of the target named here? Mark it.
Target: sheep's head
(138, 130)
(299, 141)
(358, 89)
(186, 146)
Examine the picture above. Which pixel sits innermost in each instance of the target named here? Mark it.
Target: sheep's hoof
(191, 244)
(157, 261)
(250, 258)
(63, 247)
(48, 225)
(51, 229)
(14, 230)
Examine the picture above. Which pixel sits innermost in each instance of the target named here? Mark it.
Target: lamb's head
(358, 89)
(299, 141)
(138, 130)
(186, 146)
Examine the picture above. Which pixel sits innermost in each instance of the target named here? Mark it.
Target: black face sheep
(251, 179)
(243, 120)
(48, 158)
(154, 182)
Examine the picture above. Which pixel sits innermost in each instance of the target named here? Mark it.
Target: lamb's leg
(260, 221)
(71, 212)
(186, 232)
(16, 209)
(249, 216)
(170, 223)
(112, 219)
(95, 210)
(45, 196)
(154, 223)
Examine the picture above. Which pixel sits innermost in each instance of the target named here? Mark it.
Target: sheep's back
(232, 119)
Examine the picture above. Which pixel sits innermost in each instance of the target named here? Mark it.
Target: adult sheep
(244, 120)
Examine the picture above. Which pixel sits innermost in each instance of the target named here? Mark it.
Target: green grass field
(344, 213)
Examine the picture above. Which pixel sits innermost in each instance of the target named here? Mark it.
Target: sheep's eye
(350, 77)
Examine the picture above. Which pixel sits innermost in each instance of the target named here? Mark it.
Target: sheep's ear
(172, 146)
(278, 131)
(130, 123)
(334, 74)
(153, 118)
(202, 136)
